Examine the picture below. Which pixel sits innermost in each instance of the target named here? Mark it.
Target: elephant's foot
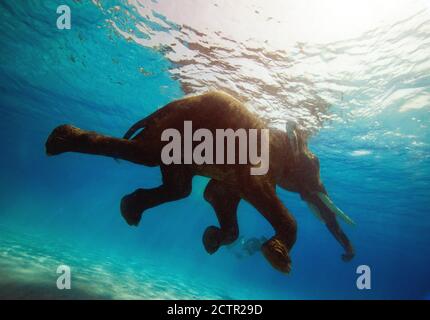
(131, 209)
(212, 239)
(276, 253)
(58, 140)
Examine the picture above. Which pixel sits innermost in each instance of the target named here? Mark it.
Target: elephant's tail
(141, 124)
(135, 127)
(159, 114)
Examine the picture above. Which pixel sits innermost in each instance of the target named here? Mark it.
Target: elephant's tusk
(327, 201)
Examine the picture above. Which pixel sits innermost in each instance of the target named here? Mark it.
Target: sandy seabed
(28, 271)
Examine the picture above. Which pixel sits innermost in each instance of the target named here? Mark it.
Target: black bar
(210, 309)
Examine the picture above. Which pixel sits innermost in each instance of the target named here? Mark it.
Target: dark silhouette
(292, 167)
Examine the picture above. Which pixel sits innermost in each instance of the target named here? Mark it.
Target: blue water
(366, 101)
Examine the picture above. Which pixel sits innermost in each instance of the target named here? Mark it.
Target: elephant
(292, 167)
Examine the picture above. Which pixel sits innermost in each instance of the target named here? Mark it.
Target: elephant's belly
(221, 172)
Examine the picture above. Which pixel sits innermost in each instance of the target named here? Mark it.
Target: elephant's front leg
(224, 200)
(261, 194)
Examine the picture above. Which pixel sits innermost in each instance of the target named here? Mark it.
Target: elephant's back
(212, 110)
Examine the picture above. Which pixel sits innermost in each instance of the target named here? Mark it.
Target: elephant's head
(303, 176)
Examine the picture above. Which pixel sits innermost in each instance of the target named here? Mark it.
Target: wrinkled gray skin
(292, 167)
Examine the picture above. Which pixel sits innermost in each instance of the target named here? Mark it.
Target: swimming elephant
(292, 167)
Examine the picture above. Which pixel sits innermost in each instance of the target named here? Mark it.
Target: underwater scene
(353, 75)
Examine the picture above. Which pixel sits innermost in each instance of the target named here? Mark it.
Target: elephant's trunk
(326, 210)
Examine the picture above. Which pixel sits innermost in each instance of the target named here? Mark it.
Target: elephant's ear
(295, 139)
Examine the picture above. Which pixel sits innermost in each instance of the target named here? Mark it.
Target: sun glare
(284, 22)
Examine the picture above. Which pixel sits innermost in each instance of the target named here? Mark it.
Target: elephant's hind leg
(262, 196)
(67, 138)
(177, 182)
(224, 200)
